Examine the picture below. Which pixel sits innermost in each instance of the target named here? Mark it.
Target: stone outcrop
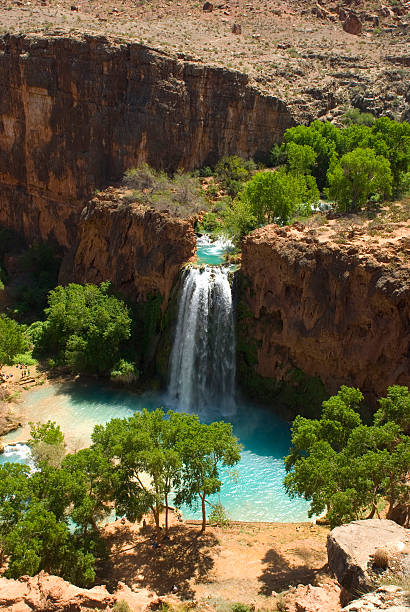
(76, 113)
(138, 249)
(351, 549)
(389, 597)
(329, 303)
(51, 593)
(309, 598)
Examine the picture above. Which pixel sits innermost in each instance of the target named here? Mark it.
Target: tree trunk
(203, 513)
(372, 511)
(155, 512)
(166, 513)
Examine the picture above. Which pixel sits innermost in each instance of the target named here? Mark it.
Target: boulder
(236, 28)
(308, 598)
(350, 550)
(352, 24)
(389, 597)
(208, 7)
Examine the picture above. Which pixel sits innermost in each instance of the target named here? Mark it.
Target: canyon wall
(138, 249)
(75, 113)
(317, 311)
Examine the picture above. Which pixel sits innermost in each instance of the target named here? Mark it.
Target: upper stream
(202, 381)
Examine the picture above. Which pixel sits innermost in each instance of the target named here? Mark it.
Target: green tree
(396, 139)
(47, 443)
(232, 171)
(38, 541)
(357, 176)
(322, 137)
(343, 466)
(276, 196)
(301, 158)
(204, 450)
(12, 339)
(240, 219)
(395, 407)
(86, 326)
(144, 463)
(91, 491)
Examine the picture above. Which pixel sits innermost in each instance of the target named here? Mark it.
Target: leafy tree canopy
(345, 467)
(357, 176)
(12, 339)
(86, 326)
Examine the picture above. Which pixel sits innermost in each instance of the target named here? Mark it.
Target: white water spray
(202, 365)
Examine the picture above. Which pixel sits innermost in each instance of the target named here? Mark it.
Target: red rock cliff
(138, 249)
(75, 113)
(335, 311)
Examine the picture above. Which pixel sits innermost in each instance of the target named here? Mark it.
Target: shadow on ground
(278, 575)
(134, 560)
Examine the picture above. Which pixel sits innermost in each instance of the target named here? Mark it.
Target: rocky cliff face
(335, 309)
(75, 113)
(138, 249)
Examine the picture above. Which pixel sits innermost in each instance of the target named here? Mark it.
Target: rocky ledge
(332, 302)
(140, 250)
(51, 593)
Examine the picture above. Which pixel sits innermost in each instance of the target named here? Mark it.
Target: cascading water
(202, 365)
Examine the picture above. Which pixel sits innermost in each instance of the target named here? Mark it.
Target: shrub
(218, 516)
(125, 372)
(381, 558)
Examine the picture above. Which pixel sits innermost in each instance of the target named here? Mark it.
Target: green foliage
(321, 138)
(395, 407)
(124, 371)
(203, 449)
(34, 510)
(218, 516)
(86, 327)
(345, 467)
(181, 195)
(276, 196)
(12, 339)
(301, 158)
(209, 223)
(358, 176)
(278, 155)
(121, 606)
(47, 443)
(26, 359)
(232, 172)
(355, 116)
(240, 219)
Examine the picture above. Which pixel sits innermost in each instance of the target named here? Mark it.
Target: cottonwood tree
(204, 450)
(12, 339)
(345, 467)
(143, 461)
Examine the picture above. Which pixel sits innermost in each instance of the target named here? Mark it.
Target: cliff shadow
(279, 574)
(184, 556)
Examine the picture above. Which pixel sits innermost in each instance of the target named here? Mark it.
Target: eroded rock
(351, 548)
(51, 593)
(352, 24)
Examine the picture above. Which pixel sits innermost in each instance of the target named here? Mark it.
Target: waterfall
(202, 365)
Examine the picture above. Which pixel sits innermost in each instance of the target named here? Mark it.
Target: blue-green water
(212, 252)
(256, 494)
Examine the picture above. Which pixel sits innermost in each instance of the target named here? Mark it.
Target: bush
(125, 372)
(26, 359)
(232, 171)
(181, 195)
(355, 116)
(218, 516)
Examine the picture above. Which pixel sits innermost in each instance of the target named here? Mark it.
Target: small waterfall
(202, 365)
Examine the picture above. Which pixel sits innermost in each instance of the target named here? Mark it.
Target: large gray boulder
(350, 550)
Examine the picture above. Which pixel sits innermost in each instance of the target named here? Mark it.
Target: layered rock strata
(332, 306)
(138, 249)
(76, 113)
